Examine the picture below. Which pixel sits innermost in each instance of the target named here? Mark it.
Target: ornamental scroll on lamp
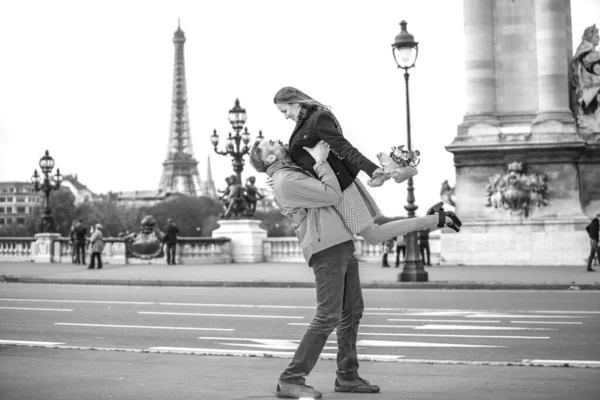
(516, 191)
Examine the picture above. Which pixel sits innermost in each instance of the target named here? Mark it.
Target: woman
(97, 246)
(315, 122)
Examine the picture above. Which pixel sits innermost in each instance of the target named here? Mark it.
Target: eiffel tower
(180, 169)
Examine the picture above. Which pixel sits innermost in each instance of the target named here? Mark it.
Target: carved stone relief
(516, 191)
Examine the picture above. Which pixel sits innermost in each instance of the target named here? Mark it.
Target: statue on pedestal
(234, 199)
(148, 242)
(252, 195)
(586, 79)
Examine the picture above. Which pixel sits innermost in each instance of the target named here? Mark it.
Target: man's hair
(256, 159)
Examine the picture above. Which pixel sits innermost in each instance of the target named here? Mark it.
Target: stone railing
(190, 250)
(16, 249)
(287, 249)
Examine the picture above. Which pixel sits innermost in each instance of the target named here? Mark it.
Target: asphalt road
(467, 327)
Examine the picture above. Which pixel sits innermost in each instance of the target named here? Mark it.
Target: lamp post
(46, 184)
(405, 51)
(234, 147)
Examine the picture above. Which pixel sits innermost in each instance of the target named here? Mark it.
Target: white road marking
(387, 343)
(442, 320)
(221, 315)
(522, 316)
(36, 309)
(445, 327)
(581, 363)
(29, 343)
(260, 353)
(238, 305)
(182, 328)
(546, 322)
(479, 327)
(361, 325)
(293, 344)
(81, 301)
(453, 336)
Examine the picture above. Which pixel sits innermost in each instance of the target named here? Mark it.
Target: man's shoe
(591, 270)
(293, 391)
(358, 385)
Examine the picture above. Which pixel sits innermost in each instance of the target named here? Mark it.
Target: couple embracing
(315, 184)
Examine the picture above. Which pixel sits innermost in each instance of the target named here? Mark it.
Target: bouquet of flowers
(400, 164)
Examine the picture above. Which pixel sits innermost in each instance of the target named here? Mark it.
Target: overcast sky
(91, 81)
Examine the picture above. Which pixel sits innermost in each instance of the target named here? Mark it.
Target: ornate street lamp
(405, 51)
(46, 184)
(236, 146)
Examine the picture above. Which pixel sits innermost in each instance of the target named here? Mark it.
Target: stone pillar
(479, 62)
(246, 239)
(43, 249)
(552, 21)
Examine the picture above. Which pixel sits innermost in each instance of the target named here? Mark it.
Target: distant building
(139, 198)
(81, 192)
(17, 201)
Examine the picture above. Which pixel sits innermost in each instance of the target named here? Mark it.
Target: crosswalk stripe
(220, 315)
(546, 322)
(452, 336)
(145, 327)
(28, 343)
(589, 363)
(443, 320)
(444, 327)
(36, 309)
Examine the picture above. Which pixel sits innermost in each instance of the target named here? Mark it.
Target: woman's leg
(375, 234)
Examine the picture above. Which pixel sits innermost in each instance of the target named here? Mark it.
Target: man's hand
(319, 152)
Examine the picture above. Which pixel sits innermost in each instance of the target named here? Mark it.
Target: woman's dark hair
(290, 95)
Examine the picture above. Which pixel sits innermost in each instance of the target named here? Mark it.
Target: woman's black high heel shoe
(438, 209)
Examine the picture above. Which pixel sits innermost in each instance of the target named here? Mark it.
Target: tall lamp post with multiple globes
(46, 183)
(405, 51)
(236, 146)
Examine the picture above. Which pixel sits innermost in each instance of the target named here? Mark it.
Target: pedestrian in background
(387, 246)
(171, 232)
(424, 246)
(96, 247)
(80, 231)
(400, 248)
(74, 255)
(593, 230)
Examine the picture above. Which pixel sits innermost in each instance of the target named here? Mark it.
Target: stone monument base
(45, 248)
(246, 239)
(527, 242)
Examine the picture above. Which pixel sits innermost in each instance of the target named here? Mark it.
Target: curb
(282, 284)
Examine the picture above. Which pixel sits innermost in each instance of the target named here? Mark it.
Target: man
(79, 234)
(171, 232)
(328, 248)
(593, 231)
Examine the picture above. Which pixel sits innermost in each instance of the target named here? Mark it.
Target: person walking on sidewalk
(96, 247)
(593, 231)
(328, 248)
(171, 232)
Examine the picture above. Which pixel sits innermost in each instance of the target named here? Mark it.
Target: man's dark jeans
(80, 251)
(170, 250)
(594, 251)
(339, 304)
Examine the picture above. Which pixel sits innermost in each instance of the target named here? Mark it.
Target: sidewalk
(373, 276)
